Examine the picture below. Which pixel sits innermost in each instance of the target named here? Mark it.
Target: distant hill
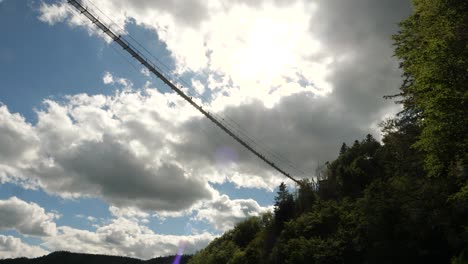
(63, 257)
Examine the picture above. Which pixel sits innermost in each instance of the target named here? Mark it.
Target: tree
(284, 206)
(353, 170)
(343, 148)
(245, 231)
(432, 47)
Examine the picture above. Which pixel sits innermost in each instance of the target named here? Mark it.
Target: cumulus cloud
(53, 13)
(131, 213)
(110, 170)
(272, 49)
(358, 33)
(26, 218)
(123, 236)
(107, 78)
(119, 154)
(152, 151)
(331, 63)
(258, 49)
(125, 150)
(223, 213)
(12, 247)
(17, 137)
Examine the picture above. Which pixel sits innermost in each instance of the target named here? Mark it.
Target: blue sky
(39, 63)
(98, 156)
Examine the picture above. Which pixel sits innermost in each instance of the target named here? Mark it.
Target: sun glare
(265, 50)
(268, 51)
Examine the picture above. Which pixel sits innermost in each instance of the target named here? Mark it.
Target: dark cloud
(190, 12)
(305, 129)
(26, 218)
(109, 170)
(358, 33)
(347, 25)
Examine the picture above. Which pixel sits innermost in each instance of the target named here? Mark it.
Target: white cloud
(223, 213)
(91, 219)
(126, 234)
(198, 86)
(263, 49)
(108, 78)
(16, 138)
(12, 247)
(145, 72)
(26, 218)
(282, 54)
(133, 214)
(116, 148)
(138, 149)
(124, 237)
(53, 13)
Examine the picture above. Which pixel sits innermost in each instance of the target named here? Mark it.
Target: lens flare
(180, 252)
(225, 156)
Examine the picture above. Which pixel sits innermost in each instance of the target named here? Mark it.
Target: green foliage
(433, 49)
(354, 169)
(384, 210)
(284, 207)
(329, 233)
(245, 231)
(221, 250)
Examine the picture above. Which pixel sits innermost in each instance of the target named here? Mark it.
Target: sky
(99, 156)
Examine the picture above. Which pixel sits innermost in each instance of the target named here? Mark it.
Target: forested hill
(63, 257)
(402, 200)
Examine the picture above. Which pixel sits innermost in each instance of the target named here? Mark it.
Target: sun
(268, 51)
(263, 53)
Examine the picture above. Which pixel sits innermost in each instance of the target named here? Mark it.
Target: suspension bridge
(152, 67)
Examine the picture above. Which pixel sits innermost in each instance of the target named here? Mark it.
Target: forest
(60, 257)
(403, 199)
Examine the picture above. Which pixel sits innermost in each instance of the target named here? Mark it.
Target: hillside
(401, 200)
(78, 258)
(374, 204)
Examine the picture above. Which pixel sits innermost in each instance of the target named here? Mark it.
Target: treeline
(61, 257)
(374, 205)
(402, 200)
